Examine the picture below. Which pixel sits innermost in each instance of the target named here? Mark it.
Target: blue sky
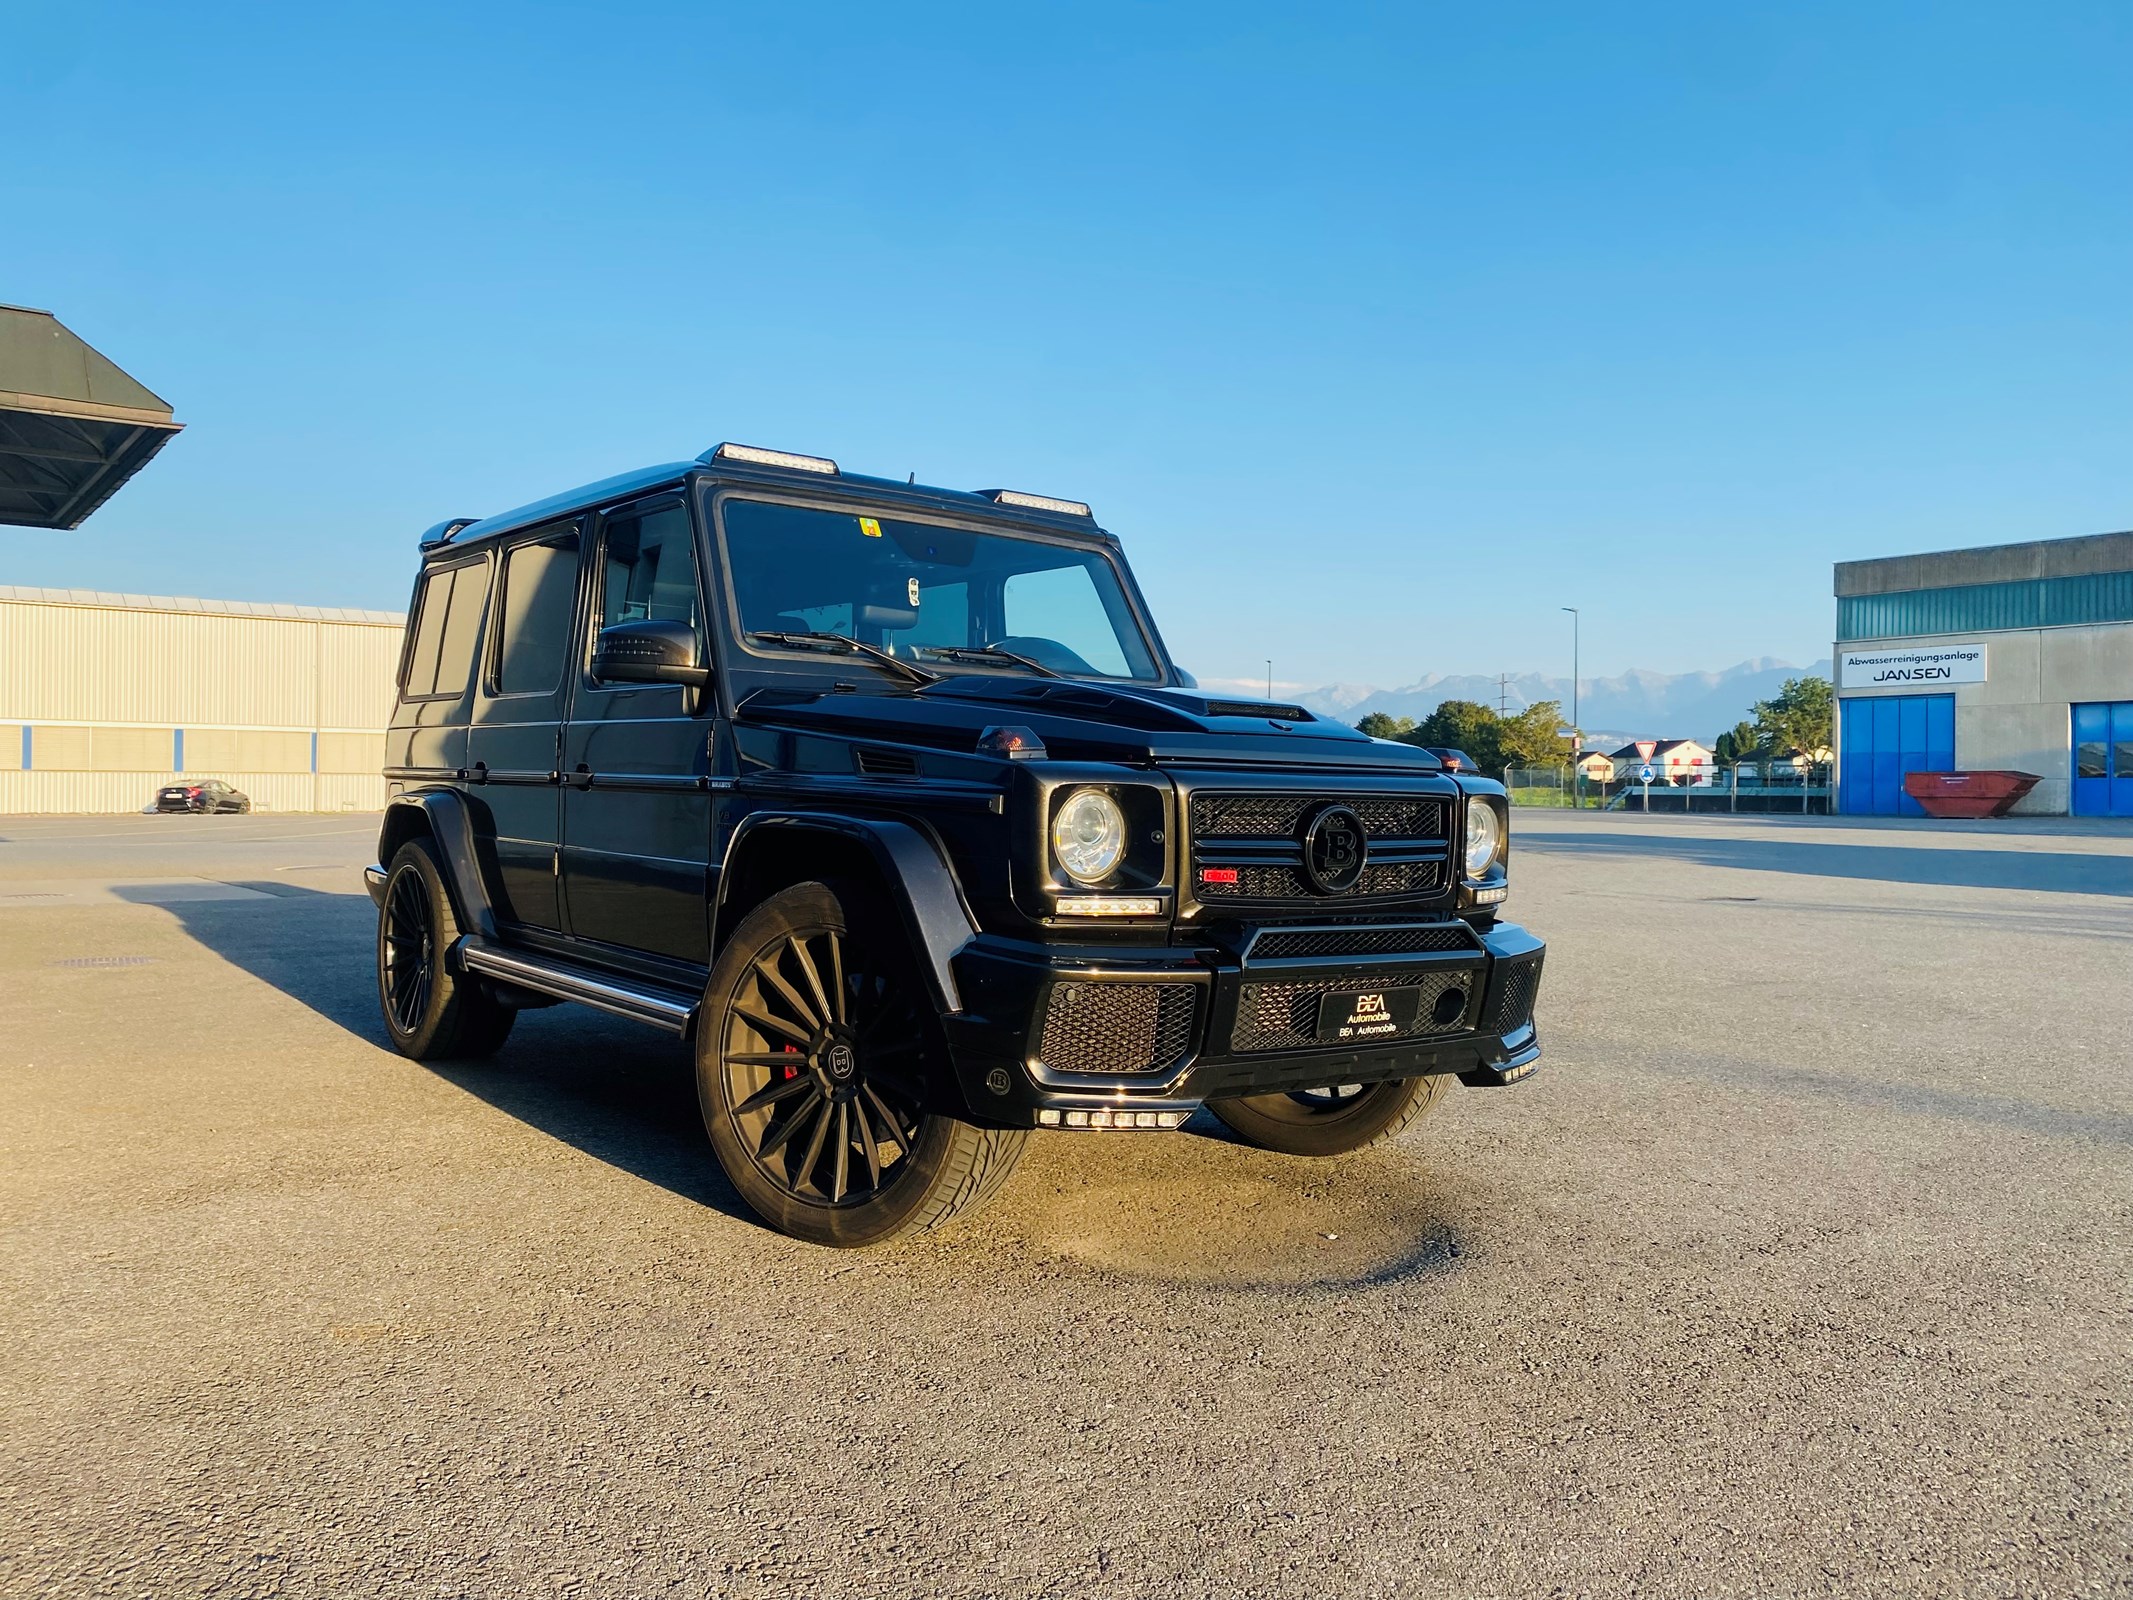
(1378, 333)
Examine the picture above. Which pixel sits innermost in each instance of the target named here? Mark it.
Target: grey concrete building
(2015, 656)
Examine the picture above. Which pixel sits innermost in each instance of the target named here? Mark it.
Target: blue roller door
(2103, 759)
(1885, 736)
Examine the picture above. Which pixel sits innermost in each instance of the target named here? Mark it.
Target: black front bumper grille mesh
(1376, 941)
(1516, 986)
(1117, 1027)
(1284, 1016)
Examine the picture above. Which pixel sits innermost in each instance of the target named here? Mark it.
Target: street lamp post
(1577, 733)
(1270, 678)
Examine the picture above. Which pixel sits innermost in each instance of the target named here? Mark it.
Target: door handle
(481, 772)
(583, 776)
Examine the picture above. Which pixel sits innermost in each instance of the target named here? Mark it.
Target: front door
(636, 808)
(515, 743)
(2103, 759)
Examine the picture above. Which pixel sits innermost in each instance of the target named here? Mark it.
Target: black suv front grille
(1254, 845)
(1117, 1027)
(1284, 1016)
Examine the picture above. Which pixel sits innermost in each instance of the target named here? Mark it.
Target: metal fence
(1781, 787)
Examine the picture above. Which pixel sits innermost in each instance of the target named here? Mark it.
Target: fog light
(1489, 897)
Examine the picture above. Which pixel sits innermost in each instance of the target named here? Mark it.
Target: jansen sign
(1931, 666)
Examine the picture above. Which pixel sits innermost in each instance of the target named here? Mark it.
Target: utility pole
(1503, 695)
(1577, 728)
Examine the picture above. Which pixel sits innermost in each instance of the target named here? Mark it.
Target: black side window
(650, 568)
(536, 596)
(447, 627)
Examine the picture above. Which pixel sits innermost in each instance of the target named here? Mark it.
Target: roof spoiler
(444, 531)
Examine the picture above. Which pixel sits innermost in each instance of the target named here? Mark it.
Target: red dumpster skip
(1968, 794)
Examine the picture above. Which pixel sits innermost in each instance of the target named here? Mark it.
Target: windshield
(924, 592)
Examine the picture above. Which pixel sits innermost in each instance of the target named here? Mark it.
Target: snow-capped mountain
(1637, 704)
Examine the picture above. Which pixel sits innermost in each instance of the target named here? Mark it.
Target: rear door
(636, 805)
(514, 745)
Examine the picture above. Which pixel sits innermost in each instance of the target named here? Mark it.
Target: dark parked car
(210, 794)
(889, 799)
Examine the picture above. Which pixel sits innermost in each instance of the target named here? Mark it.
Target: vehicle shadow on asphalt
(621, 1093)
(2060, 872)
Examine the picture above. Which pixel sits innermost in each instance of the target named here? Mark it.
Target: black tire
(431, 1012)
(1331, 1122)
(821, 1069)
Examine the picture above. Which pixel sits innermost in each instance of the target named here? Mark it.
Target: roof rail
(443, 532)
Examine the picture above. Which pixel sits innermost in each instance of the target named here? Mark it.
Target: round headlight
(1088, 835)
(1483, 834)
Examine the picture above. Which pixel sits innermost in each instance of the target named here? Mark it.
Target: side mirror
(650, 652)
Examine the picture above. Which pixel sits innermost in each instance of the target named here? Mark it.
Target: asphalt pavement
(1801, 1268)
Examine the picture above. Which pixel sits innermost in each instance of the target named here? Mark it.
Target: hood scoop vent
(879, 763)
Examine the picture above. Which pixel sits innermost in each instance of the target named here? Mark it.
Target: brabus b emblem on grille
(1334, 850)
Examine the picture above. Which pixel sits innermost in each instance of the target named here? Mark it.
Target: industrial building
(2013, 657)
(104, 698)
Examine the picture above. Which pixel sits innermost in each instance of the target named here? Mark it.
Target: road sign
(1645, 774)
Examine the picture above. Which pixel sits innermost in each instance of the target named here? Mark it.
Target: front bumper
(1104, 1038)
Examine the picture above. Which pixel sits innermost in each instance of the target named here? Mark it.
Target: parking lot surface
(1802, 1268)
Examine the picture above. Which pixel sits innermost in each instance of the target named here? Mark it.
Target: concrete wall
(2019, 716)
(288, 703)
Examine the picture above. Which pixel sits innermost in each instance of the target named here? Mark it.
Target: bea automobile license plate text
(1359, 1014)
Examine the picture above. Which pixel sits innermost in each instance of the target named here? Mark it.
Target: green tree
(1801, 716)
(1381, 726)
(1530, 738)
(1464, 725)
(1738, 743)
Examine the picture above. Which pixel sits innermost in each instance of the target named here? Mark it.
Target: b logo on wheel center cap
(841, 1063)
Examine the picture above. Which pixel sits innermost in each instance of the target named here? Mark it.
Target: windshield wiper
(988, 652)
(851, 646)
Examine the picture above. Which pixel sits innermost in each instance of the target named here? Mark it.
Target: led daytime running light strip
(1110, 905)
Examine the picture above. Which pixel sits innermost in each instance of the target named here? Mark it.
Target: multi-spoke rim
(821, 1057)
(406, 964)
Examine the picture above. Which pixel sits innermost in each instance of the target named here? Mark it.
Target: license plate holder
(1356, 1016)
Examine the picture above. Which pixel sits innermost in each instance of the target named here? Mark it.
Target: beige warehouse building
(104, 698)
(2014, 657)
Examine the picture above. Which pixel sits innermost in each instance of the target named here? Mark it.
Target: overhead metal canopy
(73, 427)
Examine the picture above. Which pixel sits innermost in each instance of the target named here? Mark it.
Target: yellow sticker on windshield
(869, 527)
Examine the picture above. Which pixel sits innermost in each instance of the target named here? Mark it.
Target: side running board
(568, 981)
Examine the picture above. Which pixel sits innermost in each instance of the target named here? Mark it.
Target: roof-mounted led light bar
(1036, 502)
(775, 458)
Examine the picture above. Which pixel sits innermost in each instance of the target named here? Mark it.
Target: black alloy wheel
(407, 955)
(817, 1055)
(1331, 1121)
(820, 1070)
(430, 1011)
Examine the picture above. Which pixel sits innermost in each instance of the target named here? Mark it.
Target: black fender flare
(451, 824)
(913, 866)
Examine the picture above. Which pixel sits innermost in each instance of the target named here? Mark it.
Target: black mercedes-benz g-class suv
(890, 800)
